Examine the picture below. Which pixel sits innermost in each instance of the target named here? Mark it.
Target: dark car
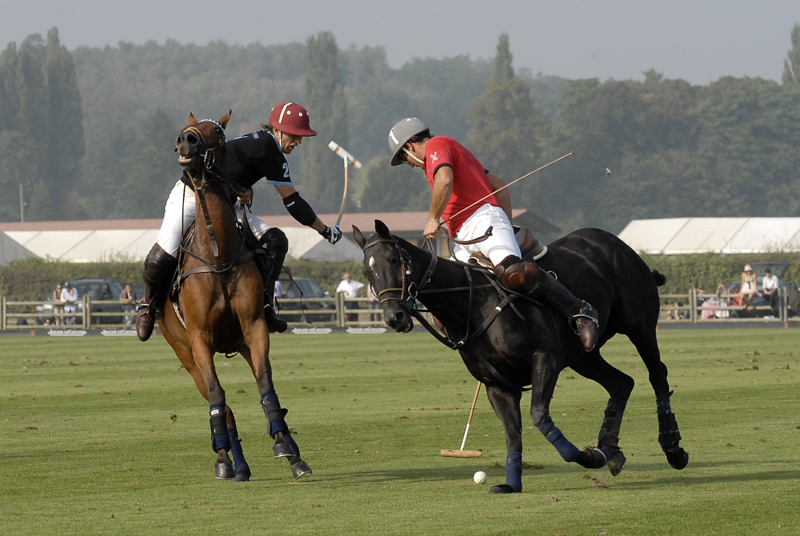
(315, 310)
(97, 290)
(778, 268)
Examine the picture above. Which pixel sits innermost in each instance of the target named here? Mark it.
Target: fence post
(340, 309)
(3, 322)
(693, 305)
(783, 306)
(87, 311)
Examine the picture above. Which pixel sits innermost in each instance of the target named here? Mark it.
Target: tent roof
(676, 236)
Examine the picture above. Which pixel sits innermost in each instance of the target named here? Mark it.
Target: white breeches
(179, 215)
(498, 246)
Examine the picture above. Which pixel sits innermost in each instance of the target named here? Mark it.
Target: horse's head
(388, 268)
(201, 143)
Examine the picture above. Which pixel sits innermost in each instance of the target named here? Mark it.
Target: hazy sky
(696, 40)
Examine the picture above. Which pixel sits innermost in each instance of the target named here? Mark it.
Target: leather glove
(332, 234)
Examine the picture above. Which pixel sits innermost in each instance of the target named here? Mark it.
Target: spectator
(278, 290)
(58, 306)
(749, 287)
(70, 298)
(769, 284)
(129, 298)
(350, 288)
(721, 313)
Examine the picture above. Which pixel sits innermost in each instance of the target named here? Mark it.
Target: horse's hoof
(286, 448)
(224, 470)
(502, 488)
(678, 458)
(591, 459)
(241, 476)
(617, 463)
(299, 468)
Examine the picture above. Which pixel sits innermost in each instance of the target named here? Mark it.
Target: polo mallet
(461, 453)
(349, 160)
(608, 172)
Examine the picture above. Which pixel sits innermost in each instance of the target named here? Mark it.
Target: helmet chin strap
(421, 162)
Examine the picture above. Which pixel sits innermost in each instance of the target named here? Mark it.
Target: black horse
(508, 341)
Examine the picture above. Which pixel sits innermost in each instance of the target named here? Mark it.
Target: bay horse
(218, 306)
(509, 341)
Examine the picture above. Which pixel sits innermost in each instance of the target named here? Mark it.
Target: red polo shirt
(469, 178)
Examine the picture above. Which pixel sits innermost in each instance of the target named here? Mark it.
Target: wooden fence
(690, 308)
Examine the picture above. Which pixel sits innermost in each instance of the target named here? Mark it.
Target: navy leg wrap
(662, 403)
(236, 451)
(219, 428)
(514, 471)
(567, 450)
(275, 415)
(608, 439)
(668, 434)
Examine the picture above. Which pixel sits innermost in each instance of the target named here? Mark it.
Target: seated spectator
(749, 287)
(721, 313)
(769, 284)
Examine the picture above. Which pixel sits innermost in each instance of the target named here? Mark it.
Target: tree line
(90, 133)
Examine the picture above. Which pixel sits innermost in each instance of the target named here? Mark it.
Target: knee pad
(276, 244)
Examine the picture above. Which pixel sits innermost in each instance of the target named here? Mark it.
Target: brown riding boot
(159, 266)
(145, 317)
(527, 278)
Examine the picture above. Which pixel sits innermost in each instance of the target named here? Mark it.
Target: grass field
(110, 436)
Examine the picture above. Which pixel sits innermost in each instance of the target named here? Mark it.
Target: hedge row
(32, 279)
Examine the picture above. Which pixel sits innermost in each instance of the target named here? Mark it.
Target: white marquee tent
(10, 250)
(134, 244)
(677, 236)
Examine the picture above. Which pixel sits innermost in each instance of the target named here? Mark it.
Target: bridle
(212, 170)
(408, 292)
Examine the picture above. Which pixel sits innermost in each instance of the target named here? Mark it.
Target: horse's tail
(659, 278)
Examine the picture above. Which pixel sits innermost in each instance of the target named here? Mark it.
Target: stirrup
(586, 324)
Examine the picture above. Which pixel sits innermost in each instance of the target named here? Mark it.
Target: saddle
(530, 247)
(251, 245)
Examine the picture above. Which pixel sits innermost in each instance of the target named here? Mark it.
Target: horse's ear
(382, 230)
(192, 120)
(224, 120)
(360, 240)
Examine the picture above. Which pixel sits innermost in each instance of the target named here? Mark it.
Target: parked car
(778, 268)
(96, 289)
(316, 310)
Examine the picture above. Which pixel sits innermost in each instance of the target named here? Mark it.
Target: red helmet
(291, 118)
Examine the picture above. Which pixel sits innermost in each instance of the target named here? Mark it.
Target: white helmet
(401, 132)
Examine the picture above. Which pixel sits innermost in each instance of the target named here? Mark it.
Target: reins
(410, 290)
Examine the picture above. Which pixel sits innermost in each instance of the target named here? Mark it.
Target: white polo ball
(480, 477)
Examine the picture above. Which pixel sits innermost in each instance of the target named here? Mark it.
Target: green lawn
(110, 436)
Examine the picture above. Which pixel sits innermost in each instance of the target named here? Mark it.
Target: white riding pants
(180, 213)
(497, 247)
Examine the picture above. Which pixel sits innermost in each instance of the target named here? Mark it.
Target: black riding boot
(158, 268)
(276, 245)
(527, 278)
(274, 323)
